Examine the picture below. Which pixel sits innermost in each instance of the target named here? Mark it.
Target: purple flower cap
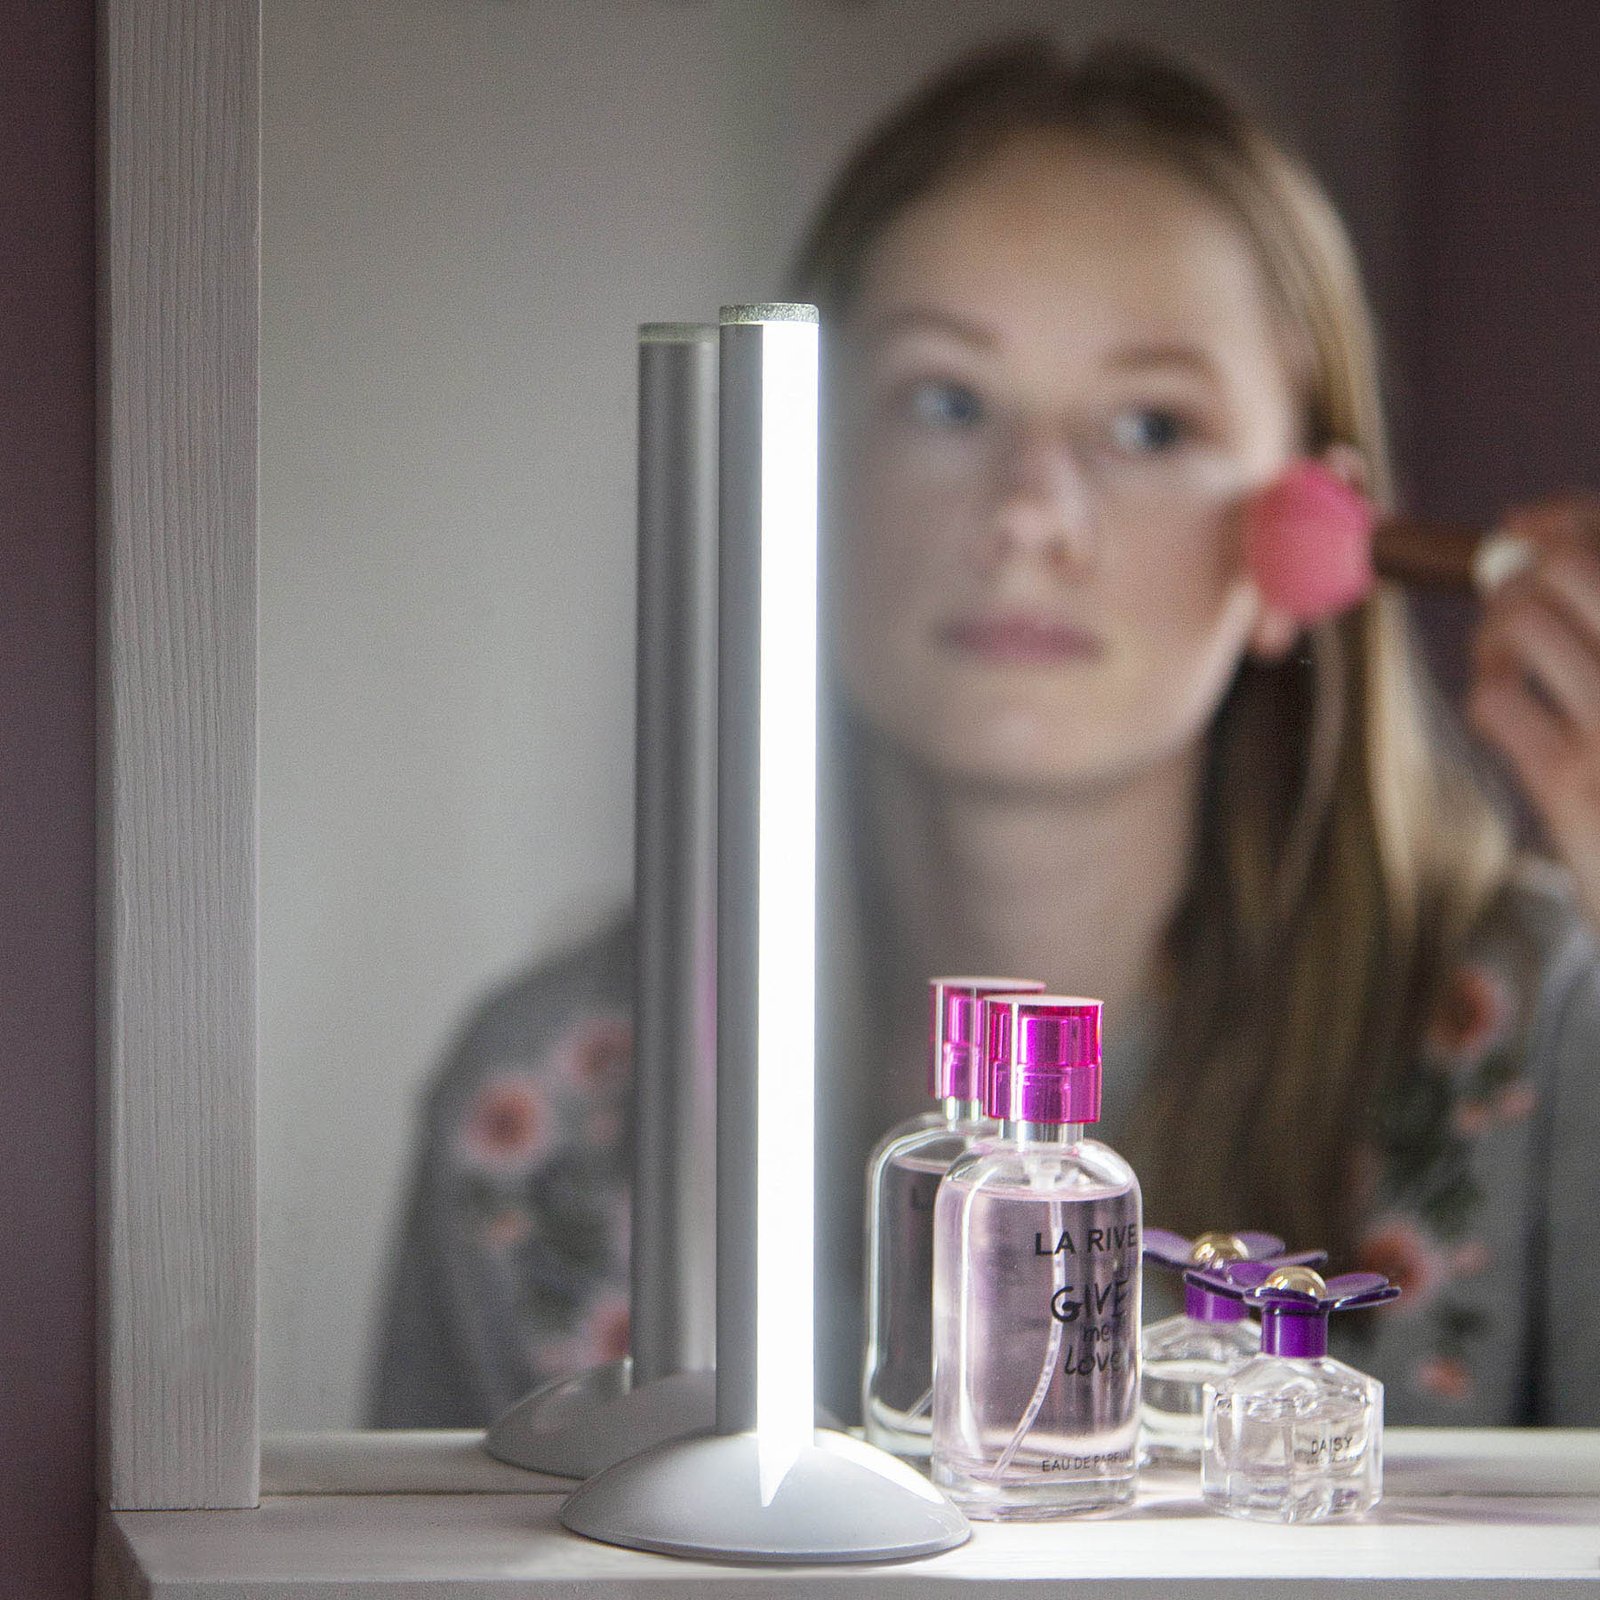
(1219, 1252)
(1044, 1058)
(1294, 1302)
(956, 1037)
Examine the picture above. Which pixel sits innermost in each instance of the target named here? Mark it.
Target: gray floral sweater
(1480, 1187)
(512, 1265)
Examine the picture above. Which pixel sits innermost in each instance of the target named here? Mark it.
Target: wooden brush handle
(1426, 553)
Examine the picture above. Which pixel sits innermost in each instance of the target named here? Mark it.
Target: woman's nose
(1043, 509)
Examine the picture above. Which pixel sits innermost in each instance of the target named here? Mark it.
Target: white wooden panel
(1439, 1532)
(179, 253)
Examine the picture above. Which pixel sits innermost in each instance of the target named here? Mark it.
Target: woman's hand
(1536, 686)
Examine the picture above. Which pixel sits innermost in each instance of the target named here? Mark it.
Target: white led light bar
(767, 1485)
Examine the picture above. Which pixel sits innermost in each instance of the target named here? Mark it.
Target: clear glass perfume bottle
(903, 1176)
(1208, 1340)
(1036, 1284)
(1294, 1436)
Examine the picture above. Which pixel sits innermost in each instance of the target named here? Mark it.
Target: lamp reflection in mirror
(578, 1426)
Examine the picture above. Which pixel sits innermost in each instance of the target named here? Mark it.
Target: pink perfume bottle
(1036, 1284)
(903, 1176)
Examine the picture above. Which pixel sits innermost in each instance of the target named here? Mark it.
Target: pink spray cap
(1044, 1059)
(956, 1032)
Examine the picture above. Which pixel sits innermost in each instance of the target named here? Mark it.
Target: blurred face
(1058, 383)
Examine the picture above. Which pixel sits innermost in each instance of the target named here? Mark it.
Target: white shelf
(1465, 1513)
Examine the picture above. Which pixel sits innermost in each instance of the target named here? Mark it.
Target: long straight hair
(1343, 849)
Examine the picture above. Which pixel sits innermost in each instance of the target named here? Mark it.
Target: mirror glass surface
(468, 208)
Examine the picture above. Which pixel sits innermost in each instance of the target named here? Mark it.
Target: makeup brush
(1315, 546)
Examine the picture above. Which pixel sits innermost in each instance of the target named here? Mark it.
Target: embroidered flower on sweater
(1403, 1253)
(506, 1228)
(508, 1126)
(1445, 1377)
(1472, 1016)
(600, 1336)
(1515, 1102)
(596, 1053)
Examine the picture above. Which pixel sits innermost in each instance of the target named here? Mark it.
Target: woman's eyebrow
(927, 319)
(1143, 357)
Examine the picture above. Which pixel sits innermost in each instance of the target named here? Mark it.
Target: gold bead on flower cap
(1212, 1249)
(1302, 1279)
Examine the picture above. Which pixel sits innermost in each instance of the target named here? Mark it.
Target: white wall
(468, 206)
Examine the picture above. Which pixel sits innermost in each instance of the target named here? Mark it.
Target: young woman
(1077, 311)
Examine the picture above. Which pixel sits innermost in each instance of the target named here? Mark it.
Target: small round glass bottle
(903, 1176)
(1208, 1340)
(1036, 1292)
(1293, 1435)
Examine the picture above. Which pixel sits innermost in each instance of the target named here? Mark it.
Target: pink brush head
(1308, 542)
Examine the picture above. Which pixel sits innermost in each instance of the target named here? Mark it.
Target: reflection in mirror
(1069, 741)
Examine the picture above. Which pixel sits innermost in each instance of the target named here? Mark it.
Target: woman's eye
(940, 404)
(1147, 430)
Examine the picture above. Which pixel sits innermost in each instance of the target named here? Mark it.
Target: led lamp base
(839, 1501)
(576, 1427)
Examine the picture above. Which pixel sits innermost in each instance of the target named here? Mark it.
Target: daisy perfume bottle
(903, 1176)
(1293, 1435)
(1036, 1284)
(1209, 1339)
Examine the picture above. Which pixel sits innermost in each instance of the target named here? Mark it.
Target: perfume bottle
(903, 1176)
(1036, 1281)
(1293, 1435)
(1207, 1340)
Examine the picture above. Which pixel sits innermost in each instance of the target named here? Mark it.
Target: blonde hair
(1343, 850)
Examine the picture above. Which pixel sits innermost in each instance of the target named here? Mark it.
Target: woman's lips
(1018, 637)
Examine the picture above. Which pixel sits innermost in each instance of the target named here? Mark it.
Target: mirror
(468, 207)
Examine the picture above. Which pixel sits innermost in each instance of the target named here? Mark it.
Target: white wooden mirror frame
(179, 247)
(179, 269)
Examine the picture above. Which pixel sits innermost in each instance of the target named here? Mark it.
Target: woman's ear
(1308, 546)
(1273, 634)
(1348, 465)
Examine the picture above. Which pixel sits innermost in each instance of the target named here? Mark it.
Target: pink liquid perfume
(1036, 1284)
(903, 1176)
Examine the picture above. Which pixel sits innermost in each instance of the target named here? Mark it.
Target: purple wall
(1505, 354)
(1499, 357)
(46, 797)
